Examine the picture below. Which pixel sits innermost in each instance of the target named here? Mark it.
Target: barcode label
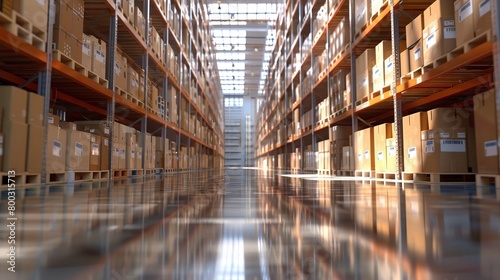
(122, 154)
(484, 7)
(417, 53)
(412, 152)
(490, 148)
(132, 154)
(57, 149)
(78, 149)
(376, 72)
(450, 33)
(367, 154)
(380, 156)
(465, 11)
(106, 130)
(364, 83)
(51, 120)
(449, 22)
(389, 67)
(431, 41)
(360, 156)
(106, 142)
(392, 151)
(116, 152)
(361, 13)
(86, 49)
(453, 146)
(429, 146)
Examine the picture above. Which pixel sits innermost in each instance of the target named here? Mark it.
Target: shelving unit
(289, 128)
(198, 128)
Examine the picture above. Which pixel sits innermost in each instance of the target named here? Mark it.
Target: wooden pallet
(325, 172)
(380, 10)
(120, 173)
(363, 28)
(485, 180)
(100, 175)
(364, 174)
(56, 177)
(341, 111)
(136, 172)
(412, 75)
(20, 179)
(380, 92)
(435, 63)
(385, 175)
(79, 176)
(430, 177)
(345, 173)
(469, 45)
(362, 100)
(21, 27)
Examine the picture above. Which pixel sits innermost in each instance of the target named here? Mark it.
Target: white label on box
(380, 156)
(414, 207)
(51, 120)
(392, 151)
(431, 41)
(41, 2)
(450, 33)
(101, 57)
(95, 149)
(106, 142)
(429, 146)
(465, 11)
(360, 156)
(449, 22)
(376, 72)
(490, 148)
(132, 154)
(453, 146)
(389, 67)
(417, 53)
(361, 13)
(78, 149)
(57, 149)
(412, 152)
(116, 152)
(444, 135)
(122, 154)
(484, 7)
(106, 130)
(461, 135)
(431, 135)
(364, 83)
(86, 49)
(367, 154)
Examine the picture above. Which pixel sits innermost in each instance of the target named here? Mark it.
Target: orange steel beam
(19, 45)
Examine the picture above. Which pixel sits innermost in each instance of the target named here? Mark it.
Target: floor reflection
(250, 224)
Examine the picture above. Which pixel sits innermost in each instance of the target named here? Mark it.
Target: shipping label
(380, 156)
(417, 53)
(450, 33)
(78, 149)
(465, 11)
(392, 151)
(453, 146)
(412, 152)
(484, 7)
(429, 146)
(95, 149)
(57, 149)
(490, 148)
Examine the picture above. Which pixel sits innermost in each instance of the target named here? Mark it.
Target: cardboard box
(380, 135)
(413, 125)
(87, 52)
(378, 77)
(363, 149)
(482, 16)
(340, 133)
(364, 83)
(77, 150)
(36, 11)
(14, 102)
(464, 21)
(382, 51)
(139, 22)
(34, 149)
(104, 161)
(444, 150)
(485, 124)
(132, 82)
(95, 152)
(53, 119)
(448, 118)
(15, 136)
(439, 9)
(388, 71)
(439, 39)
(404, 60)
(66, 43)
(414, 31)
(68, 125)
(347, 158)
(375, 6)
(362, 10)
(390, 145)
(56, 149)
(416, 56)
(99, 56)
(120, 71)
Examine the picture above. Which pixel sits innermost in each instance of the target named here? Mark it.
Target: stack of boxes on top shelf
(68, 28)
(34, 11)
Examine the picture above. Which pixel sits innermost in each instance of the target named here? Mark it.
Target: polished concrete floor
(250, 224)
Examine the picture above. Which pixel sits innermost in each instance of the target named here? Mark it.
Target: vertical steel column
(299, 34)
(181, 72)
(145, 66)
(331, 99)
(352, 22)
(313, 94)
(110, 73)
(164, 94)
(398, 113)
(496, 57)
(44, 85)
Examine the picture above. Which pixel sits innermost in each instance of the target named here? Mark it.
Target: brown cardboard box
(416, 56)
(53, 120)
(340, 132)
(347, 158)
(404, 60)
(15, 141)
(56, 149)
(363, 149)
(115, 160)
(382, 51)
(14, 102)
(448, 118)
(439, 39)
(68, 125)
(139, 22)
(104, 162)
(121, 71)
(87, 52)
(482, 16)
(388, 71)
(485, 115)
(35, 11)
(364, 83)
(34, 149)
(67, 44)
(414, 31)
(99, 56)
(444, 150)
(438, 9)
(390, 145)
(362, 12)
(380, 134)
(77, 150)
(375, 6)
(412, 127)
(464, 21)
(132, 82)
(95, 152)
(35, 109)
(128, 8)
(131, 150)
(378, 77)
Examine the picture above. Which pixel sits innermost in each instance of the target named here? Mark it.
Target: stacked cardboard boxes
(35, 11)
(35, 133)
(382, 133)
(413, 59)
(439, 36)
(68, 28)
(340, 136)
(77, 148)
(364, 149)
(485, 124)
(98, 59)
(364, 82)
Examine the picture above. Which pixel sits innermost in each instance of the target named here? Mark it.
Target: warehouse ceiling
(243, 33)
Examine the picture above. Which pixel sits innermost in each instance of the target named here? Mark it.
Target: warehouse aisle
(250, 224)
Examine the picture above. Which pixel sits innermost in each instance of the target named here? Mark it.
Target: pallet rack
(453, 79)
(85, 97)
